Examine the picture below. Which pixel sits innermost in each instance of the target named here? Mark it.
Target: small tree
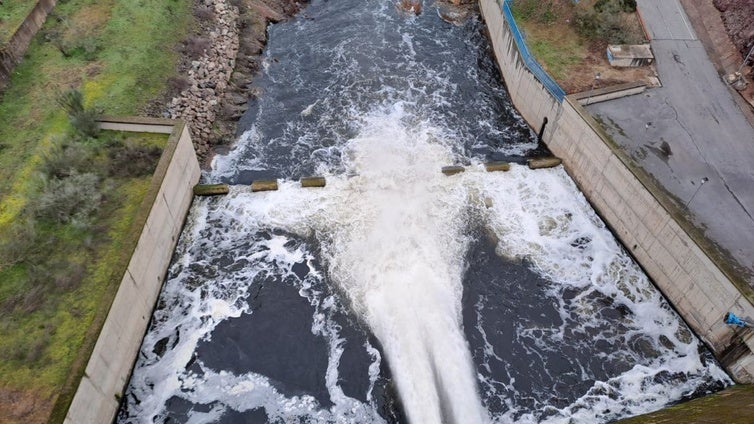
(606, 20)
(84, 120)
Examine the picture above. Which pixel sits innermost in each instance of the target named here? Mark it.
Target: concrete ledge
(733, 405)
(137, 124)
(609, 93)
(160, 222)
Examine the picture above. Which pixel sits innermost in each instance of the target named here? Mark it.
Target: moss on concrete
(732, 406)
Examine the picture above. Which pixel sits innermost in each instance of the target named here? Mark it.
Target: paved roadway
(690, 134)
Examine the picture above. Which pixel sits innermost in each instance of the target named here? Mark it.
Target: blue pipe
(732, 319)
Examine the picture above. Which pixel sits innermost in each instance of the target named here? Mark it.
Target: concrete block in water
(452, 170)
(545, 162)
(264, 185)
(211, 189)
(497, 166)
(313, 182)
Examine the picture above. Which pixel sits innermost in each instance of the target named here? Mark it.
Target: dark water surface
(396, 293)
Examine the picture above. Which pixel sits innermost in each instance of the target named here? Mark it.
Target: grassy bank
(67, 200)
(12, 14)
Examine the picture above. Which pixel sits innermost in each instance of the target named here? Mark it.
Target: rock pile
(738, 16)
(208, 76)
(215, 86)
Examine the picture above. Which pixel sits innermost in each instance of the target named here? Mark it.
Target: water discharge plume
(394, 238)
(399, 258)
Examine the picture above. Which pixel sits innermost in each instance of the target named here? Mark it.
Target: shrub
(204, 14)
(84, 120)
(86, 47)
(178, 84)
(70, 200)
(606, 21)
(194, 47)
(58, 275)
(66, 159)
(133, 161)
(628, 6)
(22, 242)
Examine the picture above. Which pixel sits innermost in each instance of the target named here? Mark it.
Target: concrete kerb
(609, 93)
(100, 382)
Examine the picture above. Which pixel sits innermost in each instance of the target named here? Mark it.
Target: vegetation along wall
(165, 208)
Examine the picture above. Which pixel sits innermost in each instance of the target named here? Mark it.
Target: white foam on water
(393, 237)
(393, 233)
(201, 294)
(395, 245)
(540, 217)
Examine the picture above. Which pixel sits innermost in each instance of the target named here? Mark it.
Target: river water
(395, 293)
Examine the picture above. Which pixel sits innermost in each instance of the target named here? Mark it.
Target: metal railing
(531, 63)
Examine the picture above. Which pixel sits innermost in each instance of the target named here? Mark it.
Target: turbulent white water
(393, 234)
(372, 299)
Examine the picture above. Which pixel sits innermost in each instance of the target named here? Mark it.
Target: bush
(66, 159)
(133, 161)
(86, 47)
(204, 14)
(70, 200)
(194, 47)
(628, 6)
(178, 84)
(22, 242)
(606, 21)
(84, 120)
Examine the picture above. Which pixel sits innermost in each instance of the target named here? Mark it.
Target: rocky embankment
(738, 16)
(219, 62)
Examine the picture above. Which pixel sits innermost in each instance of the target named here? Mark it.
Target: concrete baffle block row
(500, 166)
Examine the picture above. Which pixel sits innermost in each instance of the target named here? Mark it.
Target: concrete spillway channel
(257, 185)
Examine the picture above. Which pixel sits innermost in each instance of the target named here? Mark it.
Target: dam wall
(161, 216)
(700, 284)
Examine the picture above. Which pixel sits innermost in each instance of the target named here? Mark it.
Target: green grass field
(57, 277)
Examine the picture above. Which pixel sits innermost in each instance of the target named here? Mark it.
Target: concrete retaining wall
(12, 52)
(166, 206)
(638, 211)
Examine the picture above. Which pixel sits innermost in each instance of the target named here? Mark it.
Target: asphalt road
(690, 134)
